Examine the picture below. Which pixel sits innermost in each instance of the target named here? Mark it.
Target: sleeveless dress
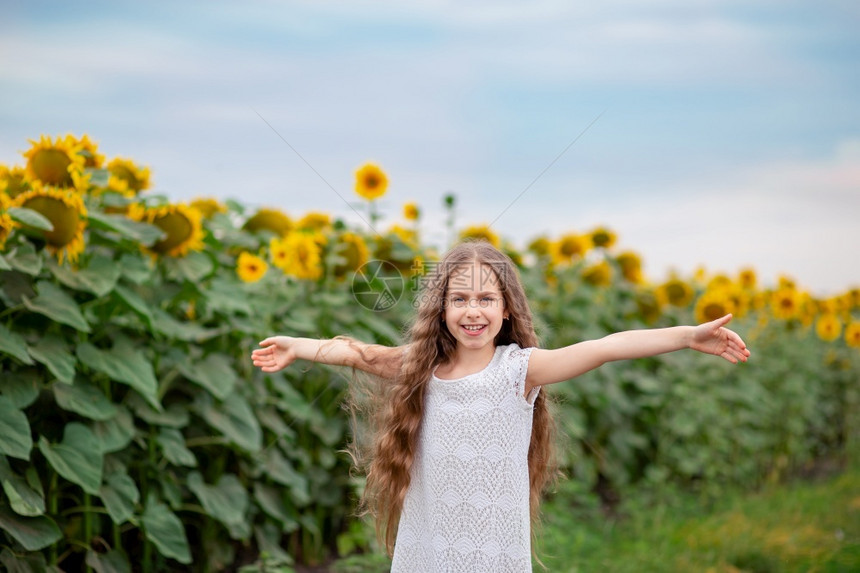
(467, 506)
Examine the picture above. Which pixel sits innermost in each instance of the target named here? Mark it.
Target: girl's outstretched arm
(278, 352)
(550, 366)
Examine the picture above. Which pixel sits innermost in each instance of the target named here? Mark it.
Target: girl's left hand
(713, 338)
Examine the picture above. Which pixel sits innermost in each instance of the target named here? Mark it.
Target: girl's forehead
(478, 277)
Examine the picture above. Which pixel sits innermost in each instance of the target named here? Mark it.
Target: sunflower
(208, 206)
(786, 281)
(408, 236)
(648, 304)
(58, 163)
(569, 246)
(299, 255)
(540, 246)
(852, 334)
(181, 223)
(785, 303)
(352, 248)
(481, 232)
(719, 281)
(411, 212)
(67, 213)
(13, 181)
(371, 182)
(267, 219)
(828, 327)
(675, 292)
(6, 227)
(130, 176)
(314, 221)
(90, 152)
(747, 278)
(599, 274)
(631, 266)
(712, 305)
(603, 238)
(250, 268)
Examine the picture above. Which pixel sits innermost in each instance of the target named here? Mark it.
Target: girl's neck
(467, 361)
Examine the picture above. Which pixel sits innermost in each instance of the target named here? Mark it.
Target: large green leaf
(77, 458)
(85, 399)
(26, 259)
(281, 470)
(98, 277)
(120, 495)
(136, 268)
(114, 561)
(25, 563)
(195, 266)
(174, 416)
(226, 296)
(52, 351)
(21, 386)
(271, 500)
(134, 301)
(25, 494)
(143, 233)
(165, 530)
(173, 329)
(4, 265)
(116, 433)
(30, 218)
(123, 363)
(234, 418)
(173, 445)
(268, 538)
(56, 304)
(15, 439)
(213, 372)
(33, 533)
(227, 501)
(13, 344)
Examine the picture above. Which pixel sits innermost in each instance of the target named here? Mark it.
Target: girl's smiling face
(474, 306)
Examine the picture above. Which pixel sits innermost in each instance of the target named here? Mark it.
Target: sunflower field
(136, 435)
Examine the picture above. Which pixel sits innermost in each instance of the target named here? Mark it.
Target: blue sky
(730, 132)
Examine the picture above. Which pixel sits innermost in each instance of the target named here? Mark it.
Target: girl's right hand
(277, 353)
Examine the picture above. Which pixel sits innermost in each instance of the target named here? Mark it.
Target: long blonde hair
(399, 403)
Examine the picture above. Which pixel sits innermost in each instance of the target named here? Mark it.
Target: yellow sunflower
(852, 334)
(481, 232)
(631, 266)
(719, 281)
(603, 238)
(314, 221)
(130, 176)
(540, 246)
(90, 152)
(250, 268)
(712, 305)
(411, 212)
(371, 182)
(13, 181)
(67, 213)
(299, 255)
(828, 327)
(58, 163)
(267, 219)
(180, 223)
(208, 206)
(408, 236)
(785, 303)
(569, 246)
(6, 227)
(747, 278)
(648, 304)
(676, 292)
(352, 248)
(599, 274)
(786, 281)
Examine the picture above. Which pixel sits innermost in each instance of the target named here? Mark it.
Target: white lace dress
(467, 507)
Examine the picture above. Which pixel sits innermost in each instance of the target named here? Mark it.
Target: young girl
(464, 448)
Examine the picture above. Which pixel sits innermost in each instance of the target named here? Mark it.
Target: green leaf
(26, 259)
(281, 470)
(53, 353)
(30, 218)
(271, 500)
(114, 561)
(57, 305)
(13, 344)
(77, 458)
(25, 496)
(115, 434)
(98, 277)
(134, 301)
(120, 495)
(226, 296)
(123, 363)
(21, 387)
(214, 373)
(136, 268)
(164, 529)
(227, 501)
(85, 399)
(234, 418)
(142, 233)
(195, 266)
(173, 445)
(268, 539)
(174, 416)
(165, 324)
(15, 439)
(33, 533)
(26, 563)
(4, 266)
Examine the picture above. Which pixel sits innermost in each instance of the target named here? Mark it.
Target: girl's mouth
(474, 329)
